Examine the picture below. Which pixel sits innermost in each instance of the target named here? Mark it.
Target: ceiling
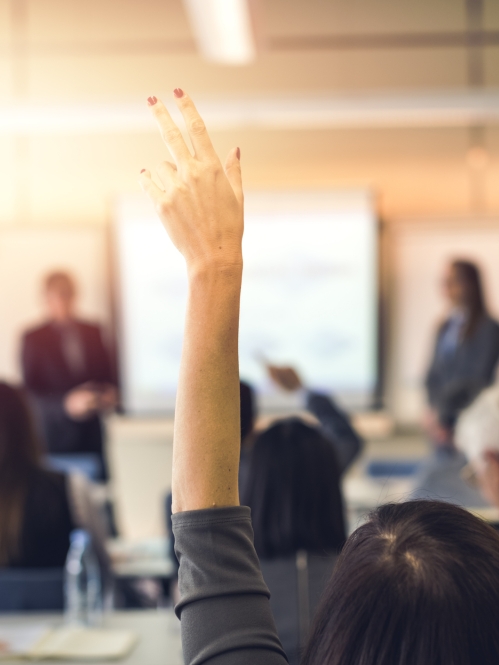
(70, 52)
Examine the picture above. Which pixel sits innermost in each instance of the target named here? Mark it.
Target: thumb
(233, 172)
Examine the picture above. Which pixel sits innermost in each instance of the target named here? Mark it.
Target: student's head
(248, 410)
(293, 491)
(60, 293)
(463, 288)
(19, 453)
(418, 584)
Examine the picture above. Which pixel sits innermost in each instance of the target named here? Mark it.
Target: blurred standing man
(67, 371)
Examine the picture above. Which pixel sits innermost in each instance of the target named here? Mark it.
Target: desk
(158, 631)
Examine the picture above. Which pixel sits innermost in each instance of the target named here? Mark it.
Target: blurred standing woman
(466, 352)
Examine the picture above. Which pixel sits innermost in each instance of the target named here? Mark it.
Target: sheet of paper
(17, 640)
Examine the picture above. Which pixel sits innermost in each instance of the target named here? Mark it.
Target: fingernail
(238, 153)
(151, 100)
(143, 171)
(178, 92)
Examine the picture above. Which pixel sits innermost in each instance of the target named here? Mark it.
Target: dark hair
(417, 585)
(19, 454)
(468, 275)
(60, 281)
(293, 491)
(248, 410)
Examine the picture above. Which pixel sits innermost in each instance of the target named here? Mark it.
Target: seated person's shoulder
(45, 483)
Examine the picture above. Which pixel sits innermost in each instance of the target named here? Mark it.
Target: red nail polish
(238, 153)
(178, 92)
(143, 171)
(151, 100)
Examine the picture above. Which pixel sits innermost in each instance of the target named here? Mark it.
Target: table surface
(158, 631)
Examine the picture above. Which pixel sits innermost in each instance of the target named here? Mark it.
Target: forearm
(207, 429)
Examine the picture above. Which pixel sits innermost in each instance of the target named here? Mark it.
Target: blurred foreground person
(293, 490)
(38, 508)
(418, 584)
(67, 371)
(477, 436)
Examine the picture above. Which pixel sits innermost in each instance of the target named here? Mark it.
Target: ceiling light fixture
(225, 30)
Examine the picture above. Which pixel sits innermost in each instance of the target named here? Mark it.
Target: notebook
(65, 643)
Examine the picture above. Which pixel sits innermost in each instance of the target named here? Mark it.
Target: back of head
(416, 585)
(293, 491)
(19, 454)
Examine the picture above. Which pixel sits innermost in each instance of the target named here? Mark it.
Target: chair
(31, 589)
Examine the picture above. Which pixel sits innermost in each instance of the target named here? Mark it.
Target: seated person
(477, 438)
(38, 508)
(418, 584)
(334, 421)
(296, 505)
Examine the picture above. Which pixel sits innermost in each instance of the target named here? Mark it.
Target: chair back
(31, 589)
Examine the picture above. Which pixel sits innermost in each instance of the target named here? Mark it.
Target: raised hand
(201, 203)
(201, 206)
(285, 377)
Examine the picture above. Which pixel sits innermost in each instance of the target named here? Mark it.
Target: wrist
(214, 269)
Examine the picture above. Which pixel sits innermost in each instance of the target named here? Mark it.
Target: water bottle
(82, 582)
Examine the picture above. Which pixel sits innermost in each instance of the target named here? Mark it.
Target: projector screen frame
(258, 200)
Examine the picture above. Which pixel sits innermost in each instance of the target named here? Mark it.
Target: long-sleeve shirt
(224, 602)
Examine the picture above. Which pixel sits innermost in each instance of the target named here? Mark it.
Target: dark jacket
(336, 425)
(47, 522)
(48, 379)
(454, 380)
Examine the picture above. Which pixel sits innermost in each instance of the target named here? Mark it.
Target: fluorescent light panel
(223, 30)
(444, 109)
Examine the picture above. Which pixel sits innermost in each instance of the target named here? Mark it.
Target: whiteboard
(27, 254)
(420, 253)
(309, 297)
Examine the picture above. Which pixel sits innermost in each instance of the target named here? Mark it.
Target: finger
(233, 173)
(169, 131)
(201, 142)
(167, 173)
(150, 187)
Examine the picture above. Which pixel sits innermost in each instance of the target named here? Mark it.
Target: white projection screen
(309, 298)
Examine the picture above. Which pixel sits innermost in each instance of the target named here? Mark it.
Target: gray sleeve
(224, 603)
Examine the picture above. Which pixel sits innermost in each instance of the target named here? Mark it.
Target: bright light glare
(223, 30)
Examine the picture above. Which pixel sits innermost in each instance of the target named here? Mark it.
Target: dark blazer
(48, 379)
(454, 380)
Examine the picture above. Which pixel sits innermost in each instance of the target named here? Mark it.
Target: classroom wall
(415, 253)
